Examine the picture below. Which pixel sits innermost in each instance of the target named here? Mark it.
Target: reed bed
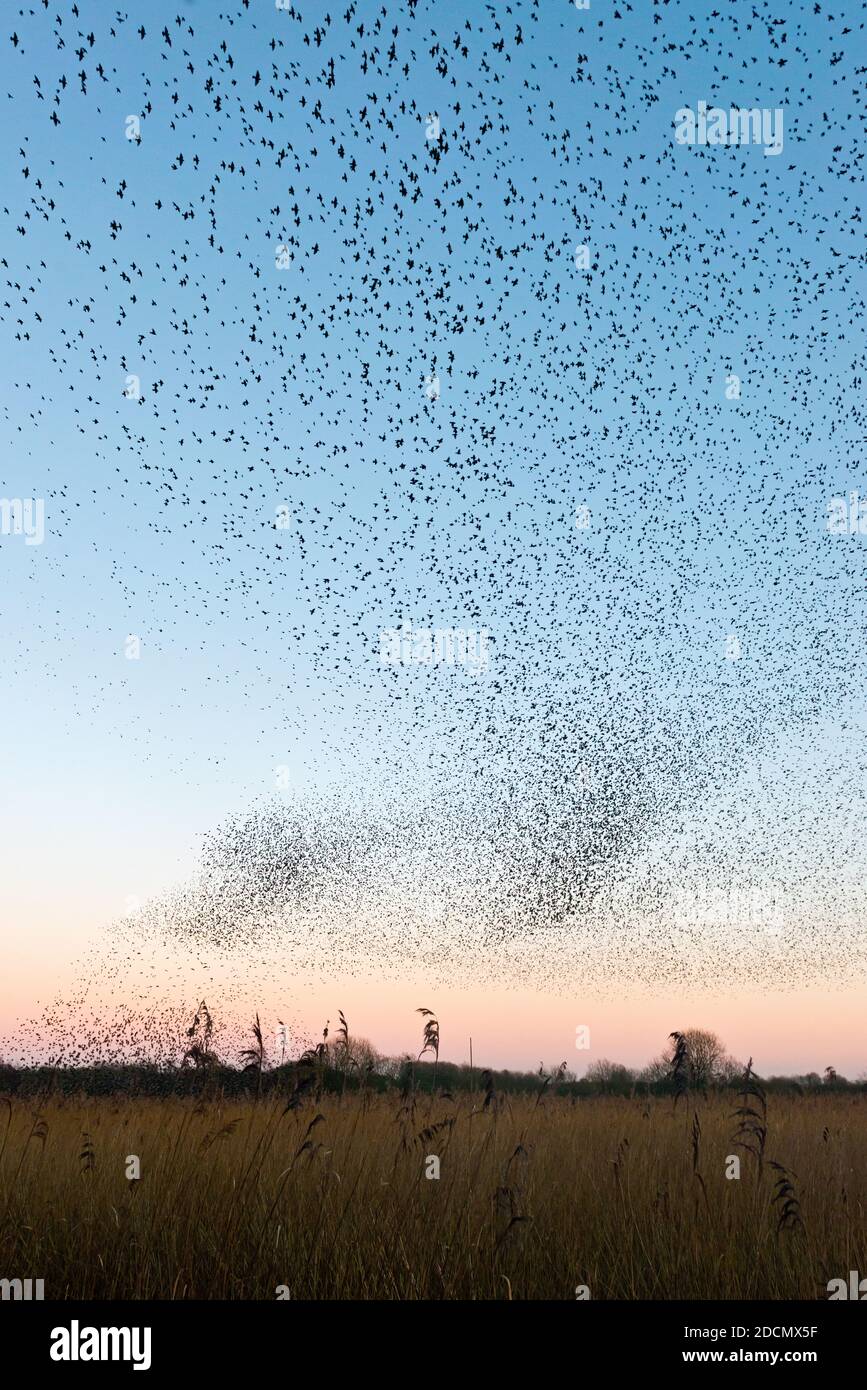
(537, 1197)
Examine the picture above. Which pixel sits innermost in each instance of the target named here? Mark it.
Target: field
(536, 1197)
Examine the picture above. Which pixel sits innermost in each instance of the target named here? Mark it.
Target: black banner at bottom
(66, 1338)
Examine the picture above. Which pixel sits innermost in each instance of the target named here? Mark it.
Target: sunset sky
(645, 812)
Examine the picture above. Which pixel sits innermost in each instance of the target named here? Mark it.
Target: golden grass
(534, 1200)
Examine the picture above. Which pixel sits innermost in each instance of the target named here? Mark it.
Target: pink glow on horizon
(788, 1033)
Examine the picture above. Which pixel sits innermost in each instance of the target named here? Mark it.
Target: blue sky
(305, 387)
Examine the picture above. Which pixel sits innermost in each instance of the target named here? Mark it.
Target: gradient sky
(260, 646)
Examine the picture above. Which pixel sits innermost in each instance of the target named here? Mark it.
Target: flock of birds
(302, 288)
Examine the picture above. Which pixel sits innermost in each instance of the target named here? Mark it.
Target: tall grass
(536, 1195)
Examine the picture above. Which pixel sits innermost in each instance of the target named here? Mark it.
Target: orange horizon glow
(516, 1028)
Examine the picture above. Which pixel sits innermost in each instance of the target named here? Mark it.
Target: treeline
(392, 1074)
